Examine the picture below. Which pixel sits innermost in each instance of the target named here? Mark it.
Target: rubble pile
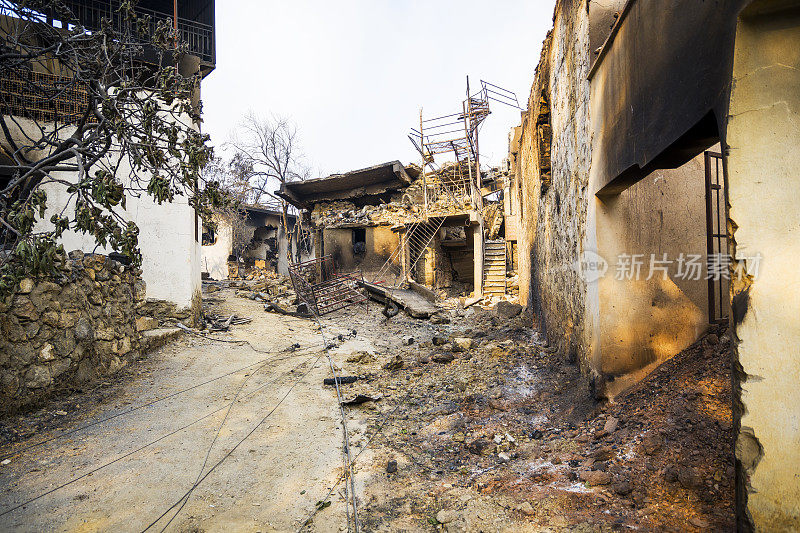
(214, 322)
(493, 220)
(276, 291)
(344, 213)
(491, 426)
(403, 208)
(257, 272)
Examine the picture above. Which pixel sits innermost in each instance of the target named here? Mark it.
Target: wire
(211, 446)
(377, 431)
(348, 461)
(42, 495)
(229, 341)
(148, 404)
(184, 499)
(230, 452)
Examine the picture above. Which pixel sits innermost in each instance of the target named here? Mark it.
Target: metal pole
(469, 152)
(424, 180)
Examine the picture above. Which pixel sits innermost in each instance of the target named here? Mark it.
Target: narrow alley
(357, 266)
(467, 424)
(122, 453)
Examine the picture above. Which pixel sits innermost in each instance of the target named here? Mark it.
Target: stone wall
(554, 200)
(69, 330)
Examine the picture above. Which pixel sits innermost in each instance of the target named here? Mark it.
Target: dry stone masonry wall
(69, 330)
(554, 216)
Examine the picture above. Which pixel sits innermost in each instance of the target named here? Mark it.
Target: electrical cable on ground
(230, 452)
(348, 461)
(128, 454)
(378, 431)
(294, 349)
(211, 446)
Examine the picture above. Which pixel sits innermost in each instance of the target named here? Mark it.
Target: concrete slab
(415, 304)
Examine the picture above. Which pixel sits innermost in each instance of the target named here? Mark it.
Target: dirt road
(479, 427)
(270, 481)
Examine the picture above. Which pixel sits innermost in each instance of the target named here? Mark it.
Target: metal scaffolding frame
(457, 133)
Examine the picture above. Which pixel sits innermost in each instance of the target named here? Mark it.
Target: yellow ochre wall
(764, 179)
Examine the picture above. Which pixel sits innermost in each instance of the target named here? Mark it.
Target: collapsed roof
(261, 210)
(372, 181)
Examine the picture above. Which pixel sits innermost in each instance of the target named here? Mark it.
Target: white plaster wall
(764, 184)
(214, 257)
(169, 235)
(167, 239)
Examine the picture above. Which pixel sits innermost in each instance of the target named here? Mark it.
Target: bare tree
(74, 105)
(232, 179)
(268, 151)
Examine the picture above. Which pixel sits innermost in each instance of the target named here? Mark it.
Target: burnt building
(393, 224)
(656, 166)
(44, 93)
(255, 237)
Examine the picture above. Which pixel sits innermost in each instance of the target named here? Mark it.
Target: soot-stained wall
(380, 244)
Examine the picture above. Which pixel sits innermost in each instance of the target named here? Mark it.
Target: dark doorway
(359, 240)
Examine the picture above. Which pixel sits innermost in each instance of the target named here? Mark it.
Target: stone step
(156, 338)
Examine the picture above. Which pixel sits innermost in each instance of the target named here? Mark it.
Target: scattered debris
(508, 422)
(390, 309)
(396, 363)
(361, 357)
(443, 358)
(358, 399)
(507, 310)
(342, 380)
(215, 322)
(445, 517)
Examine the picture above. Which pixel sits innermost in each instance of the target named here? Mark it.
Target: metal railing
(198, 36)
(448, 195)
(416, 239)
(42, 97)
(450, 189)
(323, 290)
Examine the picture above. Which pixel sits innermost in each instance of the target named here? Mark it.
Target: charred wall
(379, 244)
(551, 163)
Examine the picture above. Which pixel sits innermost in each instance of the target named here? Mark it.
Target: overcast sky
(353, 74)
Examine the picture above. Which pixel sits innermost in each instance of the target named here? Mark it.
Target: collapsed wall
(69, 330)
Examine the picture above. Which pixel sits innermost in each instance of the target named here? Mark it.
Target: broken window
(544, 136)
(209, 236)
(304, 240)
(359, 240)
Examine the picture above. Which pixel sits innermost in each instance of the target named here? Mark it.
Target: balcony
(195, 20)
